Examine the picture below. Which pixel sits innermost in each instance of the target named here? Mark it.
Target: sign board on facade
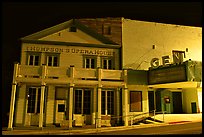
(162, 75)
(90, 51)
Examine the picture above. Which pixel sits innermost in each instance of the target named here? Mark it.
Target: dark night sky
(22, 19)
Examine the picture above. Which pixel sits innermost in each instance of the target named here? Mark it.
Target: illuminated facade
(90, 71)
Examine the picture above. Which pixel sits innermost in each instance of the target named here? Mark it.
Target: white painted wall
(145, 105)
(50, 105)
(20, 109)
(139, 36)
(70, 55)
(189, 95)
(66, 36)
(199, 91)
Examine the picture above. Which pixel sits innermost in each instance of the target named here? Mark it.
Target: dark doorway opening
(151, 100)
(177, 102)
(193, 107)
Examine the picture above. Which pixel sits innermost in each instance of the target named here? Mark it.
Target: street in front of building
(187, 128)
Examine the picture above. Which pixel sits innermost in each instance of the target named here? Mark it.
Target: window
(87, 104)
(90, 62)
(53, 60)
(61, 107)
(107, 102)
(72, 29)
(135, 101)
(82, 101)
(106, 29)
(78, 101)
(34, 59)
(107, 63)
(34, 94)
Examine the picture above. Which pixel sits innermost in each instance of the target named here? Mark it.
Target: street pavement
(168, 119)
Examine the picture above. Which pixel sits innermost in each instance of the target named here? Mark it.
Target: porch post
(44, 69)
(125, 99)
(13, 93)
(99, 107)
(99, 97)
(94, 105)
(41, 105)
(71, 90)
(118, 105)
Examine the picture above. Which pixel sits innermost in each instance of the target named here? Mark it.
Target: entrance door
(151, 100)
(177, 102)
(33, 106)
(193, 107)
(60, 111)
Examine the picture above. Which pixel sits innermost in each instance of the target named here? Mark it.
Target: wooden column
(44, 69)
(99, 97)
(125, 99)
(13, 93)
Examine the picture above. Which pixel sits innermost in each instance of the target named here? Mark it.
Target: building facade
(82, 72)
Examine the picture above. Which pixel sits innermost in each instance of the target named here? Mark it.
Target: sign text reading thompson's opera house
(71, 50)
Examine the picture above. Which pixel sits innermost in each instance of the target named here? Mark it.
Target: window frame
(83, 109)
(52, 55)
(29, 54)
(35, 106)
(107, 58)
(90, 57)
(105, 109)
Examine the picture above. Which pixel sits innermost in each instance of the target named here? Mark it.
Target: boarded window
(135, 101)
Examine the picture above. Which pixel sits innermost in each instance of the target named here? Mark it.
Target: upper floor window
(107, 63)
(90, 62)
(34, 59)
(52, 60)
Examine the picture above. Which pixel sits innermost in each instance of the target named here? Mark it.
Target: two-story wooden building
(78, 72)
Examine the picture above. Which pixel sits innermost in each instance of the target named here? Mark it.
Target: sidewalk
(168, 119)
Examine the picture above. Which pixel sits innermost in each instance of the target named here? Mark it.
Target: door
(177, 102)
(33, 106)
(60, 111)
(193, 107)
(151, 100)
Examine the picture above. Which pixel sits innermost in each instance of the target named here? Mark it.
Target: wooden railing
(66, 72)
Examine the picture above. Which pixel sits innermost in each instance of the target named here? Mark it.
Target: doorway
(151, 100)
(177, 102)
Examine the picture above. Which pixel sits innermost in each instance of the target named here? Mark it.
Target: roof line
(71, 43)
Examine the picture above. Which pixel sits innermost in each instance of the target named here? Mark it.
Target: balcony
(64, 75)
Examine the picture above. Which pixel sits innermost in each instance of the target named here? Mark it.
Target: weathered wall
(138, 38)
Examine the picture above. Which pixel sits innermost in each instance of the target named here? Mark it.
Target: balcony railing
(25, 71)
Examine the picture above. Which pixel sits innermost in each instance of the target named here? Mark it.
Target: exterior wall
(50, 108)
(97, 23)
(144, 89)
(199, 91)
(66, 36)
(20, 105)
(70, 55)
(138, 38)
(189, 95)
